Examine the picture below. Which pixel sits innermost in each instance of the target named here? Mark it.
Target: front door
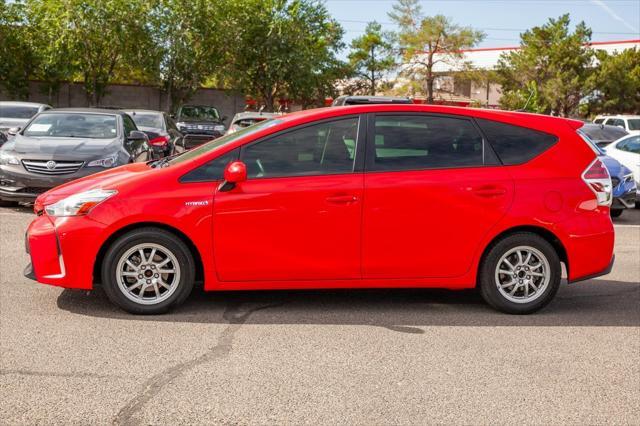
(298, 216)
(432, 190)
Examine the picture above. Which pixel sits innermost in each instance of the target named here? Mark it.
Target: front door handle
(342, 199)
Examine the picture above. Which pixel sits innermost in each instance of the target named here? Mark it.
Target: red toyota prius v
(346, 197)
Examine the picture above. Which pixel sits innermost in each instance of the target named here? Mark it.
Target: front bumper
(63, 250)
(17, 184)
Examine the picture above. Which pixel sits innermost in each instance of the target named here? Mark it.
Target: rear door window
(419, 142)
(515, 144)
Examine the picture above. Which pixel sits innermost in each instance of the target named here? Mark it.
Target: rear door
(433, 188)
(298, 216)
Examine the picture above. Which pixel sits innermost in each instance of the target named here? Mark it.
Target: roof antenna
(524, 108)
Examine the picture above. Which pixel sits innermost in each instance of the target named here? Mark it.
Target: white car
(627, 151)
(17, 114)
(631, 123)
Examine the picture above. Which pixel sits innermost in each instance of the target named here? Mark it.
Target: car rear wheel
(148, 271)
(520, 274)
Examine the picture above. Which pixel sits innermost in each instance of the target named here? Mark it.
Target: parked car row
(42, 147)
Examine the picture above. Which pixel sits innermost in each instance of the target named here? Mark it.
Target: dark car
(623, 185)
(365, 100)
(603, 134)
(164, 137)
(58, 146)
(199, 124)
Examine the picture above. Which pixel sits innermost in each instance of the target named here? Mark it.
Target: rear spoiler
(574, 124)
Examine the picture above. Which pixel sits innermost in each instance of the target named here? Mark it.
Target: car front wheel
(148, 271)
(520, 274)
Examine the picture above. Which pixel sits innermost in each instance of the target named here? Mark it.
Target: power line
(353, 21)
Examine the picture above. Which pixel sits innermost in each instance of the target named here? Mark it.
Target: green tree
(370, 58)
(189, 44)
(55, 63)
(104, 38)
(428, 40)
(552, 63)
(616, 83)
(281, 49)
(17, 59)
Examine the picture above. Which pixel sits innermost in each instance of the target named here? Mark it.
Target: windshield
(608, 133)
(199, 113)
(73, 125)
(210, 146)
(147, 120)
(634, 124)
(27, 112)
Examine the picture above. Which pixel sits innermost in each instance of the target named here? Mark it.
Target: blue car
(624, 186)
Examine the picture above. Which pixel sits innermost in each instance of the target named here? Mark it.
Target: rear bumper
(606, 271)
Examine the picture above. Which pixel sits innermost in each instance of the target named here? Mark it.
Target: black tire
(616, 212)
(167, 241)
(487, 274)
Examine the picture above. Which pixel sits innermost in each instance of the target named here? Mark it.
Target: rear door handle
(342, 199)
(489, 191)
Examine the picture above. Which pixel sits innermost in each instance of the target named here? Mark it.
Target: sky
(501, 20)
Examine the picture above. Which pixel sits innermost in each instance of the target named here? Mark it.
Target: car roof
(88, 111)
(25, 104)
(491, 114)
(198, 105)
(143, 111)
(618, 116)
(255, 114)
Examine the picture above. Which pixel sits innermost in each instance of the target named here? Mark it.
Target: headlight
(181, 125)
(79, 204)
(6, 158)
(104, 162)
(218, 128)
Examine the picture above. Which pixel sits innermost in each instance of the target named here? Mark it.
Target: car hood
(63, 148)
(109, 179)
(614, 167)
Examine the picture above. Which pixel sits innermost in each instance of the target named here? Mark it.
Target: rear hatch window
(515, 144)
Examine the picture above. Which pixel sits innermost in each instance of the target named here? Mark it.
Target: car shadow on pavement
(591, 303)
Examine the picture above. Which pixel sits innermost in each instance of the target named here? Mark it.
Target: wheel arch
(549, 236)
(197, 258)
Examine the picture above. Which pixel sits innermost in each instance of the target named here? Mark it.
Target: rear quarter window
(515, 144)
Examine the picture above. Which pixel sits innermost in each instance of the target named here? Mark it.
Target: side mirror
(13, 131)
(234, 173)
(136, 135)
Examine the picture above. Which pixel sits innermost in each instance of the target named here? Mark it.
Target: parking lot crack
(236, 315)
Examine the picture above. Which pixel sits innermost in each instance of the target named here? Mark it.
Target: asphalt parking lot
(332, 357)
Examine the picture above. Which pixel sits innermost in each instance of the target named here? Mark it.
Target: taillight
(597, 178)
(160, 141)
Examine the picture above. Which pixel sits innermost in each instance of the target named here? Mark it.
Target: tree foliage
(616, 83)
(17, 60)
(428, 40)
(371, 57)
(189, 44)
(552, 67)
(281, 49)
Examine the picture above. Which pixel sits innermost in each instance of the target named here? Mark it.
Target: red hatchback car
(347, 197)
